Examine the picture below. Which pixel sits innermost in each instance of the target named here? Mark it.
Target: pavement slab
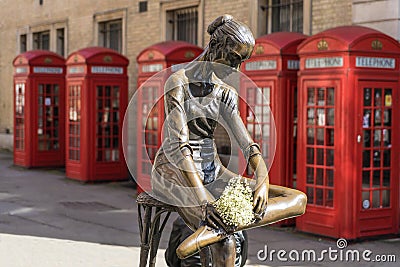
(49, 220)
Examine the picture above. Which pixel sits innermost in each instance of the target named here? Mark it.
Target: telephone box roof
(97, 55)
(169, 48)
(349, 38)
(284, 42)
(38, 57)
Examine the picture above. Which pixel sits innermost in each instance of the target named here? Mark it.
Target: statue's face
(231, 58)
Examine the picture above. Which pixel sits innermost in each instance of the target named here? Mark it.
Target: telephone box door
(150, 121)
(257, 116)
(73, 124)
(19, 121)
(108, 121)
(292, 130)
(378, 186)
(50, 118)
(318, 134)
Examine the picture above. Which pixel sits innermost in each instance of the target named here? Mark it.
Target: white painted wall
(382, 15)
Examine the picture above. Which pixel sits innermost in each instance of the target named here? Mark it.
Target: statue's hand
(260, 198)
(214, 220)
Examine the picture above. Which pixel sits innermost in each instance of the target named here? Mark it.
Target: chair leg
(150, 233)
(144, 229)
(155, 233)
(154, 239)
(205, 257)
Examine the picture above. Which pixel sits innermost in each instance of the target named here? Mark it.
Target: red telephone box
(97, 97)
(273, 68)
(150, 117)
(348, 140)
(39, 104)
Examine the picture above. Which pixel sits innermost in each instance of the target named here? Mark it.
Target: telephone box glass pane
(310, 175)
(367, 118)
(115, 97)
(320, 177)
(19, 116)
(108, 91)
(376, 179)
(310, 195)
(310, 155)
(319, 198)
(366, 179)
(366, 199)
(366, 158)
(377, 117)
(320, 156)
(377, 138)
(330, 137)
(329, 177)
(376, 199)
(321, 97)
(310, 136)
(329, 198)
(320, 136)
(329, 157)
(115, 130)
(367, 97)
(367, 138)
(386, 178)
(330, 97)
(385, 198)
(386, 138)
(376, 158)
(321, 117)
(378, 97)
(311, 116)
(330, 117)
(388, 97)
(311, 97)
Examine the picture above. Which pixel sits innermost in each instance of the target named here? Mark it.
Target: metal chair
(151, 225)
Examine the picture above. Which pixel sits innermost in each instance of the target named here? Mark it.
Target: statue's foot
(204, 236)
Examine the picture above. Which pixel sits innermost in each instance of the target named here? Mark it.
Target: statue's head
(231, 41)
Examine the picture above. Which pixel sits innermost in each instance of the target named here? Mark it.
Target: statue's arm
(250, 150)
(260, 197)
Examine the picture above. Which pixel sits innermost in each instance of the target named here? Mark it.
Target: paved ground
(48, 220)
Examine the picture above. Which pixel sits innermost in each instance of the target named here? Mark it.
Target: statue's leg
(224, 252)
(283, 203)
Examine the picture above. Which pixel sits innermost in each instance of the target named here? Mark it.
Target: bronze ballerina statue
(187, 171)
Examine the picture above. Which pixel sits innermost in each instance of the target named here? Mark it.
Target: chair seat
(146, 199)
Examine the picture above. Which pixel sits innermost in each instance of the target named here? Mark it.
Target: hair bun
(218, 22)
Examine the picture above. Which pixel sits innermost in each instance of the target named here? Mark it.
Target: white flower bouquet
(235, 206)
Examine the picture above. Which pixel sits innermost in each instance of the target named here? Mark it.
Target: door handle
(359, 138)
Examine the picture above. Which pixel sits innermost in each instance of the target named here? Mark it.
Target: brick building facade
(66, 26)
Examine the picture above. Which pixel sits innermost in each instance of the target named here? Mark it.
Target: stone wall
(328, 14)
